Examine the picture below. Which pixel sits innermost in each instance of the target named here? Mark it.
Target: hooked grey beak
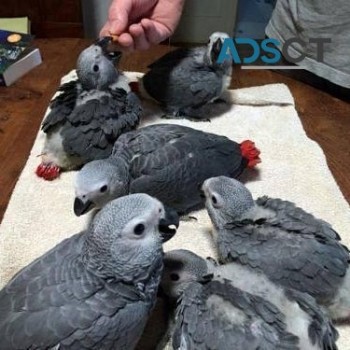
(81, 208)
(171, 219)
(216, 49)
(104, 42)
(114, 56)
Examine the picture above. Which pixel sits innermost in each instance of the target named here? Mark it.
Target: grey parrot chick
(302, 316)
(292, 247)
(94, 290)
(89, 113)
(185, 80)
(212, 313)
(169, 162)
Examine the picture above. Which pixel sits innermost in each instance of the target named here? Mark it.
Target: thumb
(118, 16)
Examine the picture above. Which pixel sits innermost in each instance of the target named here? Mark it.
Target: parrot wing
(55, 300)
(148, 139)
(321, 330)
(187, 84)
(62, 105)
(205, 85)
(219, 316)
(98, 122)
(292, 218)
(171, 162)
(297, 261)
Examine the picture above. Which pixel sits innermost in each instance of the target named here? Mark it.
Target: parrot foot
(212, 260)
(193, 119)
(188, 218)
(220, 100)
(342, 322)
(181, 116)
(48, 172)
(167, 116)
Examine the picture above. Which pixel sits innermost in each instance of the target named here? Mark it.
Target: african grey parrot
(292, 247)
(94, 290)
(185, 80)
(302, 316)
(89, 113)
(169, 162)
(212, 313)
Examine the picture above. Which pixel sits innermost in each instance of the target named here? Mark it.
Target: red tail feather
(48, 172)
(134, 86)
(251, 153)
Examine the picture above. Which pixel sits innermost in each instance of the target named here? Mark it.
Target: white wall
(203, 17)
(95, 13)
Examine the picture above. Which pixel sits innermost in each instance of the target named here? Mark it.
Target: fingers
(151, 31)
(142, 35)
(138, 34)
(126, 41)
(160, 18)
(118, 17)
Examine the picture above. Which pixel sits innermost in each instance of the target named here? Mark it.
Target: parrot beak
(165, 225)
(216, 49)
(81, 208)
(201, 191)
(104, 42)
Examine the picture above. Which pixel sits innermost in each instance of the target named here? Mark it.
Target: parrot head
(97, 183)
(96, 66)
(127, 235)
(215, 44)
(226, 200)
(182, 267)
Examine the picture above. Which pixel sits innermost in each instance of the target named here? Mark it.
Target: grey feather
(320, 331)
(289, 245)
(302, 317)
(89, 113)
(169, 162)
(186, 79)
(242, 321)
(94, 290)
(103, 122)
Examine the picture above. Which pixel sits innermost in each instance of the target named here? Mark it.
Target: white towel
(40, 214)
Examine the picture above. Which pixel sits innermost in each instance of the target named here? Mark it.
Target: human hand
(138, 24)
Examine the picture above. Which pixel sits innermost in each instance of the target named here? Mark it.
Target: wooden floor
(326, 119)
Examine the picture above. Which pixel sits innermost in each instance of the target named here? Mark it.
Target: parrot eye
(174, 277)
(139, 229)
(96, 68)
(103, 189)
(214, 200)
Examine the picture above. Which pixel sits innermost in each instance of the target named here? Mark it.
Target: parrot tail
(135, 87)
(48, 172)
(251, 153)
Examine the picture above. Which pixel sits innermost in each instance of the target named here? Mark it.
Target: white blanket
(40, 214)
